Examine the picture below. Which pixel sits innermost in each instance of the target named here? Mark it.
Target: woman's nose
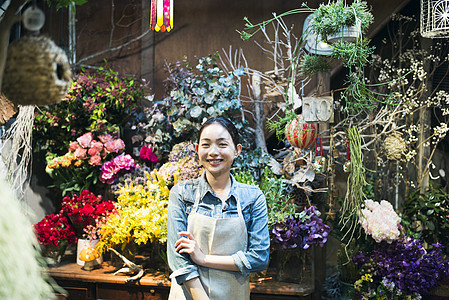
(213, 150)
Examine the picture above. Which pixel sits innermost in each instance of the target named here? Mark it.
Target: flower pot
(346, 34)
(83, 243)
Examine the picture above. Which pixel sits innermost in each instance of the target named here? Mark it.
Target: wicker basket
(37, 72)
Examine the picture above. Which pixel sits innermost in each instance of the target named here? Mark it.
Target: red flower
(85, 209)
(53, 229)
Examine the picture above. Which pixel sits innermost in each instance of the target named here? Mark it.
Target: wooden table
(102, 284)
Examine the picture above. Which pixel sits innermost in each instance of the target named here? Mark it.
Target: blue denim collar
(205, 187)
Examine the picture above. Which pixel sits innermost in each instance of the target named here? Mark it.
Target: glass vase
(54, 253)
(294, 266)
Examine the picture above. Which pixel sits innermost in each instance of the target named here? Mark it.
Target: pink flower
(97, 145)
(108, 171)
(148, 154)
(104, 138)
(85, 139)
(73, 146)
(95, 160)
(93, 152)
(115, 146)
(80, 153)
(124, 162)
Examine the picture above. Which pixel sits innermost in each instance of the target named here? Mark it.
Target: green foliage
(100, 102)
(194, 94)
(280, 206)
(312, 64)
(279, 125)
(331, 17)
(428, 214)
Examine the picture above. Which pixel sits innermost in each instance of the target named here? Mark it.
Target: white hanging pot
(346, 34)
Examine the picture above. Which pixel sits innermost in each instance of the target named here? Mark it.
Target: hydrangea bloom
(380, 221)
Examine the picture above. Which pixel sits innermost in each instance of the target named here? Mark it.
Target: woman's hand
(187, 244)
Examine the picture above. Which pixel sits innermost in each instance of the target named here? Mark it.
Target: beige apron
(217, 237)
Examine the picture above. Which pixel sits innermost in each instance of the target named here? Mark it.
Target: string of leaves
(355, 196)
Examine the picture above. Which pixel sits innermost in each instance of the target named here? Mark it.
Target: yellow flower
(141, 217)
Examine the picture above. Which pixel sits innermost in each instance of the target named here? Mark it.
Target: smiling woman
(217, 227)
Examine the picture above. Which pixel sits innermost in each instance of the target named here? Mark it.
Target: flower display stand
(100, 283)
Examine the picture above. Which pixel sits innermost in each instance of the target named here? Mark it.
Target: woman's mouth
(214, 162)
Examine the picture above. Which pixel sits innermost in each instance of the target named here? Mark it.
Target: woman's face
(216, 150)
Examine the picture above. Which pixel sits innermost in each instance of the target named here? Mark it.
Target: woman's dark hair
(226, 123)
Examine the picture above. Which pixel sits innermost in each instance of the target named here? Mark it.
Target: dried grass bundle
(37, 72)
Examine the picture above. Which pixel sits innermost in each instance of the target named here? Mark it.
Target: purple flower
(405, 265)
(303, 230)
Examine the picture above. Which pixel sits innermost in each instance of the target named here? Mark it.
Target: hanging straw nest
(7, 109)
(395, 146)
(37, 72)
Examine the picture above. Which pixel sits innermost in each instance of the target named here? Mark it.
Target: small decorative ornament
(394, 146)
(347, 164)
(161, 15)
(33, 18)
(299, 133)
(319, 163)
(434, 18)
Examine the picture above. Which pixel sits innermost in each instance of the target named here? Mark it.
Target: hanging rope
(16, 150)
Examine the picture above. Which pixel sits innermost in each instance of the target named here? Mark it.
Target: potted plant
(330, 23)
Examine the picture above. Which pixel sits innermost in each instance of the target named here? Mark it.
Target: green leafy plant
(428, 214)
(331, 17)
(280, 206)
(195, 92)
(101, 102)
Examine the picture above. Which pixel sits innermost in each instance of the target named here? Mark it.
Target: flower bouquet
(54, 233)
(297, 234)
(140, 218)
(78, 168)
(86, 212)
(398, 267)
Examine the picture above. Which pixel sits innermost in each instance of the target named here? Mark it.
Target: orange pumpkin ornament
(299, 133)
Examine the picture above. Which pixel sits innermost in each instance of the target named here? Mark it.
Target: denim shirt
(254, 210)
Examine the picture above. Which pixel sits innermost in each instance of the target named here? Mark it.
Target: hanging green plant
(355, 196)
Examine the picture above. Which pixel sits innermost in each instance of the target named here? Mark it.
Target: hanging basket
(347, 34)
(434, 18)
(37, 72)
(299, 133)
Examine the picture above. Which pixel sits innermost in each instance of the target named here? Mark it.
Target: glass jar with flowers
(54, 234)
(294, 239)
